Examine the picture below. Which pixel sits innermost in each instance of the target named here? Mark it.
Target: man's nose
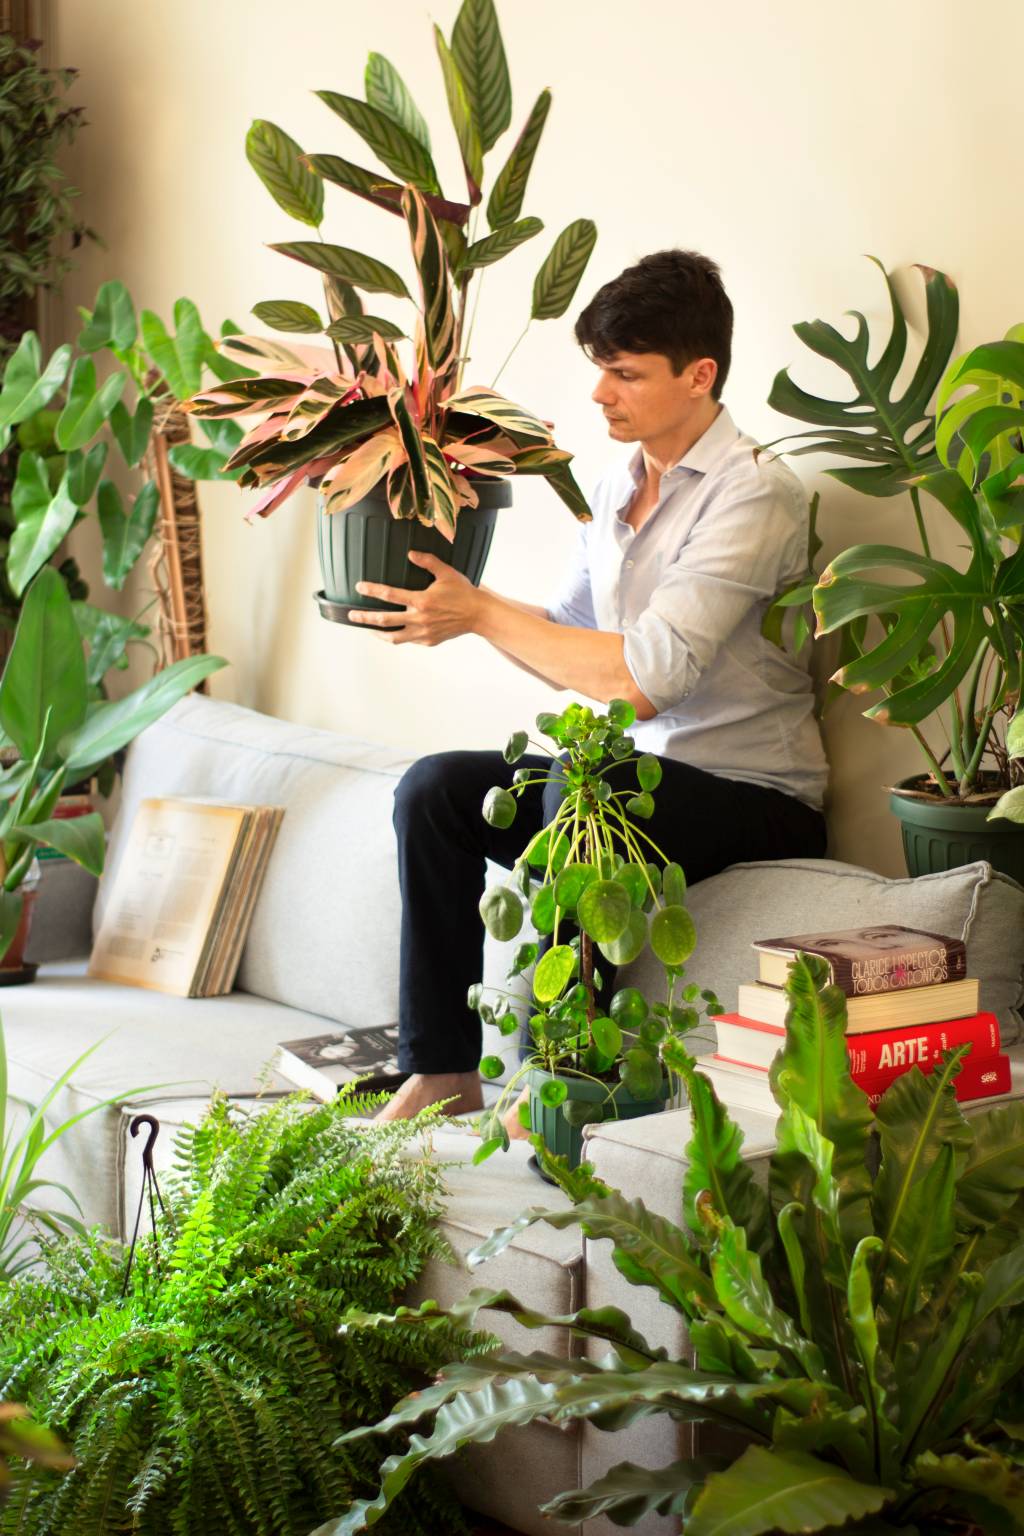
(603, 394)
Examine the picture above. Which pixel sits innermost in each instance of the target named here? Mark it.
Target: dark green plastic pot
(567, 1140)
(365, 543)
(938, 836)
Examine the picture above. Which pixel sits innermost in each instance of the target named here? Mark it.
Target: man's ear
(703, 373)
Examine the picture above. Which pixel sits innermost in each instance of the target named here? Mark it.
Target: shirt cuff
(659, 662)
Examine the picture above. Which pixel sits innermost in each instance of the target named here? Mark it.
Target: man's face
(643, 400)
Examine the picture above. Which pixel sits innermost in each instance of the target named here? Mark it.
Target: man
(691, 539)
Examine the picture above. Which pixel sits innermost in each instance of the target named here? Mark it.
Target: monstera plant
(940, 641)
(351, 415)
(861, 1325)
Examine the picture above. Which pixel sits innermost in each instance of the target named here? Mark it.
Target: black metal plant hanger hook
(151, 1188)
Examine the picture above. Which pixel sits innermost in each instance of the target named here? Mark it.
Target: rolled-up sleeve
(574, 602)
(741, 551)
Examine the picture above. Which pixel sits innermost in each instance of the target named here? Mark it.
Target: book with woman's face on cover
(885, 957)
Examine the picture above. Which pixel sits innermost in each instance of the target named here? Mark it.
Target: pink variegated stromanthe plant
(351, 416)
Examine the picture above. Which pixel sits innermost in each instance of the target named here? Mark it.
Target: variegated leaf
(480, 457)
(466, 130)
(563, 482)
(492, 407)
(288, 315)
(538, 461)
(465, 492)
(435, 284)
(261, 349)
(277, 161)
(361, 329)
(504, 240)
(389, 365)
(480, 55)
(443, 493)
(559, 277)
(402, 491)
(506, 199)
(234, 399)
(412, 442)
(399, 151)
(364, 468)
(351, 266)
(312, 407)
(380, 190)
(387, 92)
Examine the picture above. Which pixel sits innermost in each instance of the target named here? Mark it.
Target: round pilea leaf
(684, 1019)
(641, 1074)
(499, 808)
(542, 909)
(552, 973)
(632, 876)
(607, 1036)
(508, 1024)
(491, 1066)
(673, 935)
(572, 882)
(555, 1031)
(630, 943)
(673, 885)
(523, 1113)
(525, 955)
(502, 912)
(475, 995)
(553, 1093)
(547, 724)
(538, 848)
(629, 1008)
(621, 747)
(596, 1062)
(516, 746)
(603, 910)
(641, 805)
(648, 771)
(621, 714)
(579, 1112)
(652, 1032)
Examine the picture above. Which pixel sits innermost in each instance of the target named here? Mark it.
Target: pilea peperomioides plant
(862, 1325)
(592, 880)
(351, 415)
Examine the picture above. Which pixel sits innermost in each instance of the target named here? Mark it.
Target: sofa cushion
(324, 932)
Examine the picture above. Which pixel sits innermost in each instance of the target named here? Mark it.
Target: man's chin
(620, 431)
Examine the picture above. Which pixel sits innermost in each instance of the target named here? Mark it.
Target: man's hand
(449, 607)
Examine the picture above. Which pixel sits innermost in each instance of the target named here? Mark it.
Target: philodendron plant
(942, 644)
(61, 735)
(592, 879)
(861, 1325)
(351, 415)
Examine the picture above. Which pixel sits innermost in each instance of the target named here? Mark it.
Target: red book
(752, 1044)
(748, 1087)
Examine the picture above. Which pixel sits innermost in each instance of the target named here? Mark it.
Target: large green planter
(365, 543)
(938, 836)
(567, 1140)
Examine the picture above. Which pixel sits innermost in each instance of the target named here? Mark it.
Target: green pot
(365, 543)
(938, 836)
(567, 1140)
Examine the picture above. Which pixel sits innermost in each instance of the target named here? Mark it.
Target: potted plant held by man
(598, 890)
(413, 456)
(941, 643)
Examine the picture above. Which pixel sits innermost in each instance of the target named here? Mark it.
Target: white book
(884, 1010)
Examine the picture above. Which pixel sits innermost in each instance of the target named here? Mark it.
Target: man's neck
(660, 453)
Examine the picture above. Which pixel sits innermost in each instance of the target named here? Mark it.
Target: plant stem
(933, 763)
(508, 359)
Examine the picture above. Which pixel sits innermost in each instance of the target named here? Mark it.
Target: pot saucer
(338, 613)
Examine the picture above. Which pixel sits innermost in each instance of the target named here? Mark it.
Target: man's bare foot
(511, 1121)
(423, 1089)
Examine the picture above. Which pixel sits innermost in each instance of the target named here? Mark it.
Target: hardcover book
(750, 1043)
(886, 1010)
(862, 961)
(749, 1087)
(323, 1063)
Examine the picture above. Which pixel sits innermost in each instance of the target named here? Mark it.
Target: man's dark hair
(671, 302)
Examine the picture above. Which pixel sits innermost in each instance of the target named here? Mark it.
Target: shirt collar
(702, 455)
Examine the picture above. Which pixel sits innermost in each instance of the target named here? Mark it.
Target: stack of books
(909, 999)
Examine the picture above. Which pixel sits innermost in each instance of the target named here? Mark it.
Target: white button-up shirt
(688, 592)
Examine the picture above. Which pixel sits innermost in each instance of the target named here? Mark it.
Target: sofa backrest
(324, 934)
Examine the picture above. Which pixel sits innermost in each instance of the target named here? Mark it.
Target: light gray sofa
(323, 948)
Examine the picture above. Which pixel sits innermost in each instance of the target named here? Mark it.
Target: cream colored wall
(783, 150)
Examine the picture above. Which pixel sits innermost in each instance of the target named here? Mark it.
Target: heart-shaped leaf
(41, 520)
(125, 535)
(84, 470)
(132, 432)
(108, 636)
(27, 385)
(112, 322)
(197, 463)
(88, 405)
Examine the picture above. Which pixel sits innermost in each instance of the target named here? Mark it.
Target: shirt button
(629, 565)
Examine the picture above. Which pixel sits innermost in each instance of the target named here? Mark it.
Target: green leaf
(621, 713)
(125, 534)
(439, 328)
(466, 131)
(607, 1036)
(715, 1164)
(480, 55)
(542, 910)
(630, 942)
(112, 322)
(641, 1074)
(555, 284)
(83, 472)
(482, 253)
(895, 437)
(992, 1179)
(178, 358)
(132, 432)
(673, 935)
(41, 520)
(350, 266)
(82, 838)
(641, 805)
(553, 1092)
(990, 1477)
(516, 746)
(673, 885)
(748, 1302)
(771, 1491)
(43, 686)
(499, 807)
(648, 771)
(502, 912)
(288, 315)
(11, 904)
(111, 725)
(506, 199)
(1009, 806)
(197, 463)
(277, 161)
(604, 910)
(361, 329)
(88, 406)
(627, 1493)
(386, 93)
(27, 385)
(108, 636)
(398, 150)
(491, 1066)
(553, 972)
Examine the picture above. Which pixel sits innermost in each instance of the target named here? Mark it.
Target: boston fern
(208, 1398)
(862, 1325)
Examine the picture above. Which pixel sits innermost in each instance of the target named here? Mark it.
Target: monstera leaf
(893, 436)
